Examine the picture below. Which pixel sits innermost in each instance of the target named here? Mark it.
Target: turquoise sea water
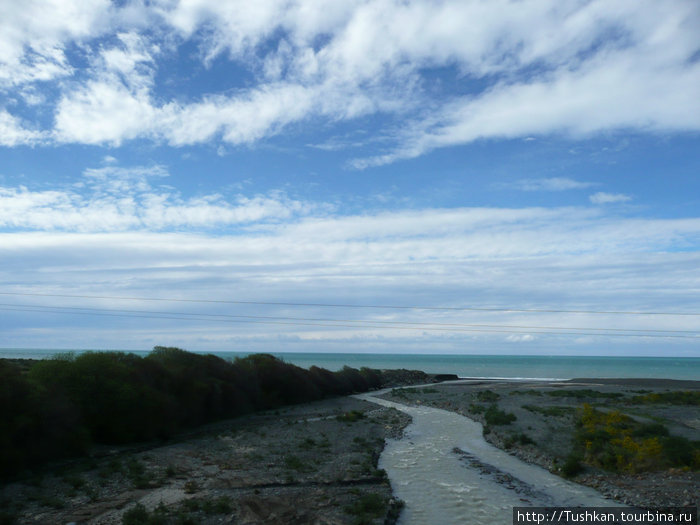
(541, 367)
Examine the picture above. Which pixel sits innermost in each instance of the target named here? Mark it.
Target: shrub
(495, 416)
(488, 396)
(351, 417)
(367, 507)
(585, 393)
(572, 465)
(294, 463)
(687, 397)
(549, 411)
(136, 515)
(616, 442)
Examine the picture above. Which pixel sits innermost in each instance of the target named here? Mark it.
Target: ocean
(483, 366)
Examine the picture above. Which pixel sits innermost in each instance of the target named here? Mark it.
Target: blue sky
(483, 156)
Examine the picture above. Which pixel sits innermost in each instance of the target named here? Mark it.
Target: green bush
(367, 507)
(550, 411)
(136, 515)
(488, 396)
(495, 416)
(687, 397)
(351, 416)
(585, 393)
(572, 465)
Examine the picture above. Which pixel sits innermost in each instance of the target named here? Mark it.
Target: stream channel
(446, 473)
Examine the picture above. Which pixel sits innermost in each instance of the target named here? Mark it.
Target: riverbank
(540, 423)
(310, 463)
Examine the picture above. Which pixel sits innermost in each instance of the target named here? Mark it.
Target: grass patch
(138, 515)
(475, 409)
(487, 396)
(351, 417)
(75, 481)
(113, 467)
(685, 397)
(191, 487)
(367, 507)
(585, 393)
(52, 501)
(137, 474)
(495, 416)
(525, 393)
(307, 444)
(209, 506)
(550, 411)
(518, 439)
(292, 462)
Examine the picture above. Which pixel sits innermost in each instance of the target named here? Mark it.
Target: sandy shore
(548, 423)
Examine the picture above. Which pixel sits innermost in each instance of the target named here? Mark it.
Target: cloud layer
(122, 232)
(440, 73)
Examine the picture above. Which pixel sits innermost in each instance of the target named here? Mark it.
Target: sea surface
(482, 366)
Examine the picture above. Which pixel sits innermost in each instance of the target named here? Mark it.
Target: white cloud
(525, 338)
(547, 67)
(12, 132)
(565, 259)
(33, 34)
(113, 199)
(609, 198)
(116, 104)
(550, 184)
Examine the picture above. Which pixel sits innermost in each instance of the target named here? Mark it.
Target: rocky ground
(309, 464)
(544, 426)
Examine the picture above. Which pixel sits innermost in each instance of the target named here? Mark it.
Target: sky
(413, 176)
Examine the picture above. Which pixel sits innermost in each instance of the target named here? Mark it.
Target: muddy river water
(446, 473)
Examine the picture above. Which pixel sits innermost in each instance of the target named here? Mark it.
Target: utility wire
(363, 321)
(330, 305)
(334, 325)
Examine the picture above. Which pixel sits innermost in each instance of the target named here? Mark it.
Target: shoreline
(652, 382)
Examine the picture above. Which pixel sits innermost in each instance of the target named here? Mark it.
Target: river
(446, 473)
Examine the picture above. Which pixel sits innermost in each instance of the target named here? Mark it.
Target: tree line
(61, 406)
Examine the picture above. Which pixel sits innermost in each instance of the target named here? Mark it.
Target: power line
(331, 305)
(363, 321)
(335, 325)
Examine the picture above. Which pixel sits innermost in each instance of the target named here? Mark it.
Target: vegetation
(550, 411)
(521, 438)
(686, 397)
(367, 507)
(190, 511)
(585, 393)
(495, 416)
(525, 393)
(488, 396)
(614, 441)
(351, 417)
(58, 407)
(572, 465)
